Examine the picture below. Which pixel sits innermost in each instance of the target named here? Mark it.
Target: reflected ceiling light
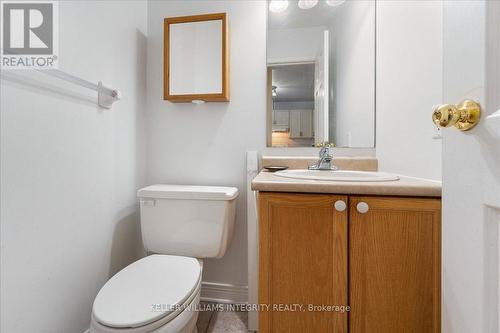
(275, 93)
(278, 6)
(334, 2)
(307, 4)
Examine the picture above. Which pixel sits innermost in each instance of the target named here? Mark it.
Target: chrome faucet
(325, 159)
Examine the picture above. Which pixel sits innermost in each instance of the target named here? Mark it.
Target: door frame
(269, 105)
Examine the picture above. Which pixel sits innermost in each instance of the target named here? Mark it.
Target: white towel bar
(106, 96)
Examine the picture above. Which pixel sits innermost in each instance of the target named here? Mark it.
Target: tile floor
(222, 322)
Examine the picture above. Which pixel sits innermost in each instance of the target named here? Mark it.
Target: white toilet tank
(193, 221)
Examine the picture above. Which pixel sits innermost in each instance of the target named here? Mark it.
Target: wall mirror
(196, 64)
(321, 73)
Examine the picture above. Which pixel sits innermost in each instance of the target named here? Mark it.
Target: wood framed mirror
(196, 58)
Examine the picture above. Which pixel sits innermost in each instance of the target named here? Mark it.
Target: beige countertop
(405, 186)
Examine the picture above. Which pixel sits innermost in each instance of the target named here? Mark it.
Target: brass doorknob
(463, 116)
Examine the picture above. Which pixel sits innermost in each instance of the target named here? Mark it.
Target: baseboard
(224, 293)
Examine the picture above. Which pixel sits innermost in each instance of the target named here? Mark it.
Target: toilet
(180, 225)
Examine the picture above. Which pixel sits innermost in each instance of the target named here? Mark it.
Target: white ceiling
(293, 17)
(294, 82)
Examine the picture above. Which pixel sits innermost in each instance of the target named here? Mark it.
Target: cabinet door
(282, 117)
(280, 120)
(306, 130)
(301, 124)
(302, 260)
(295, 130)
(394, 263)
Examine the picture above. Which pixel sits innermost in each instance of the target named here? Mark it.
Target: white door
(321, 77)
(471, 170)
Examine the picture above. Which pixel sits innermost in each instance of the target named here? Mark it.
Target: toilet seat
(176, 322)
(154, 288)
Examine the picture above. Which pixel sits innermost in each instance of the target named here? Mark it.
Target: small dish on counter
(275, 168)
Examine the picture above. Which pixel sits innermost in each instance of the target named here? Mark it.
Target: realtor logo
(29, 34)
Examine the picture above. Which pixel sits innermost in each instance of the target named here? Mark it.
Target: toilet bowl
(161, 292)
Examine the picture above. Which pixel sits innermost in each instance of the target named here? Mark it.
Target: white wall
(352, 75)
(207, 144)
(70, 171)
(409, 84)
(294, 45)
(299, 105)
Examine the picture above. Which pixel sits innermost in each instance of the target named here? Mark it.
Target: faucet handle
(326, 151)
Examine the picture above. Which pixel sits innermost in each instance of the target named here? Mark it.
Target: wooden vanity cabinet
(384, 263)
(303, 260)
(395, 265)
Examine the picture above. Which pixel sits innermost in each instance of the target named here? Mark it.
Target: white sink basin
(338, 175)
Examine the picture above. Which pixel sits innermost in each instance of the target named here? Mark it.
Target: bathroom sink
(338, 175)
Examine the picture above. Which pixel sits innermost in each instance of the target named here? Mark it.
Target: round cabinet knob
(340, 205)
(362, 207)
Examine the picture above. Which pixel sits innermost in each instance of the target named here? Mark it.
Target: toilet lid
(146, 291)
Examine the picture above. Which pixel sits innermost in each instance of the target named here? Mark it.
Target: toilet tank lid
(189, 192)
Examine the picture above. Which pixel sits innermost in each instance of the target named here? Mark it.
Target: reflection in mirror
(293, 104)
(321, 73)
